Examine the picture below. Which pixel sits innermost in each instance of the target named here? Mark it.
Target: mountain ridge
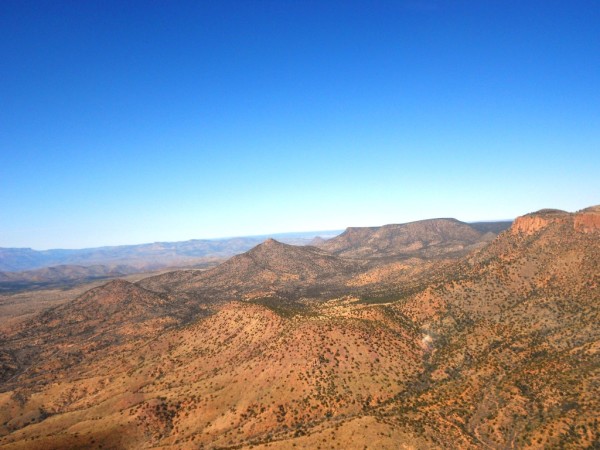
(430, 237)
(497, 347)
(269, 268)
(148, 256)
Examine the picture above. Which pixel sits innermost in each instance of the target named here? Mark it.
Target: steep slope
(514, 339)
(271, 268)
(425, 238)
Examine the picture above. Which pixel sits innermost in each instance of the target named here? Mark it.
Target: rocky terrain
(515, 338)
(426, 238)
(270, 269)
(434, 334)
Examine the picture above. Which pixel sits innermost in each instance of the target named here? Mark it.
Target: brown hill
(514, 339)
(499, 350)
(114, 314)
(116, 303)
(244, 375)
(425, 238)
(317, 241)
(271, 268)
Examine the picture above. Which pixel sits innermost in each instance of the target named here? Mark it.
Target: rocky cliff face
(585, 221)
(588, 220)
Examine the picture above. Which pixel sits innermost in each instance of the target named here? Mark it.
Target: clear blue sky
(126, 122)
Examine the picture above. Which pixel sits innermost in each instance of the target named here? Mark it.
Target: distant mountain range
(145, 256)
(24, 268)
(63, 276)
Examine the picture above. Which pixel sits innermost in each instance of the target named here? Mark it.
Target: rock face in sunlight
(531, 223)
(585, 221)
(588, 220)
(433, 334)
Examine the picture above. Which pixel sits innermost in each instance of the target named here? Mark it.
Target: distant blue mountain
(150, 255)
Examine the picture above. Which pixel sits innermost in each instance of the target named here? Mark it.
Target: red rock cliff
(531, 223)
(585, 221)
(588, 220)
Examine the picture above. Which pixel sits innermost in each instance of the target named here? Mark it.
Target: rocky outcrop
(588, 220)
(530, 224)
(584, 221)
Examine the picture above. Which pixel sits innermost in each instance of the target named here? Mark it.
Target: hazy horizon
(137, 122)
(316, 233)
(290, 234)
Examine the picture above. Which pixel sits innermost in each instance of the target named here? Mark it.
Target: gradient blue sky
(127, 122)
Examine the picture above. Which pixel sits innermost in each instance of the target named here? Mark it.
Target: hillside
(496, 350)
(271, 268)
(515, 338)
(103, 318)
(244, 375)
(424, 238)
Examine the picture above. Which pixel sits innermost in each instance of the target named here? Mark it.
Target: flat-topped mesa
(431, 236)
(584, 221)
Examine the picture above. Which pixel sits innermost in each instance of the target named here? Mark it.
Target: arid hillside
(101, 319)
(294, 347)
(425, 238)
(515, 338)
(271, 268)
(247, 374)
